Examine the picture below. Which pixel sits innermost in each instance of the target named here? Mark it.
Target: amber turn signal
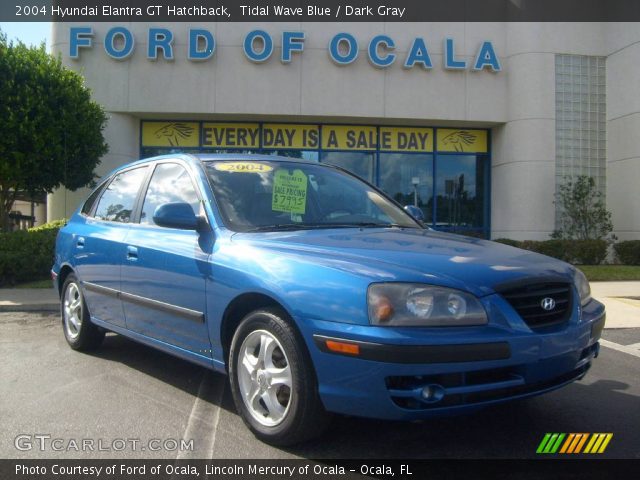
(341, 347)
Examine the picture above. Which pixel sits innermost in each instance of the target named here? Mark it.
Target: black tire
(305, 416)
(82, 335)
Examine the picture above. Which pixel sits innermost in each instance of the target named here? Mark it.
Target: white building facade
(476, 123)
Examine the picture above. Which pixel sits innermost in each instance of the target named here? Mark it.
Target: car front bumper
(409, 374)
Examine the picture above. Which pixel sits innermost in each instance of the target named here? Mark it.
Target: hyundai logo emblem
(548, 303)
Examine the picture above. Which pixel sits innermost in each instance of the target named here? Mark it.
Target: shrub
(560, 249)
(27, 255)
(508, 241)
(583, 252)
(583, 214)
(589, 252)
(628, 252)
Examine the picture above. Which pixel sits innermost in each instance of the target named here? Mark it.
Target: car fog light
(432, 393)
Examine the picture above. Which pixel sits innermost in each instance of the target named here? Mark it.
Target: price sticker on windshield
(289, 192)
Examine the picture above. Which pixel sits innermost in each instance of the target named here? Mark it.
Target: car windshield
(263, 196)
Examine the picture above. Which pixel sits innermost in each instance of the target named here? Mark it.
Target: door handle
(132, 253)
(80, 242)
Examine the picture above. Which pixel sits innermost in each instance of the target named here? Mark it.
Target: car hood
(395, 254)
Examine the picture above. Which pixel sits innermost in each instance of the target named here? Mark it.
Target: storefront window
(358, 163)
(408, 179)
(304, 154)
(444, 171)
(460, 192)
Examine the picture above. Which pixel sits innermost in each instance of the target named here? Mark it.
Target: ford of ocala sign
(258, 47)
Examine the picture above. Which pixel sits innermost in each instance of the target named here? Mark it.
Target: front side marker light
(342, 347)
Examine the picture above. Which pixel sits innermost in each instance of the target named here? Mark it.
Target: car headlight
(582, 284)
(420, 305)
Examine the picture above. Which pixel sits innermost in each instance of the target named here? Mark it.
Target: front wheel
(79, 332)
(273, 382)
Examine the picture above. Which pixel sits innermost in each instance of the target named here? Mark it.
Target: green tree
(50, 129)
(583, 213)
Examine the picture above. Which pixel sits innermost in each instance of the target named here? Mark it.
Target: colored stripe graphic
(581, 443)
(550, 443)
(567, 443)
(553, 443)
(543, 443)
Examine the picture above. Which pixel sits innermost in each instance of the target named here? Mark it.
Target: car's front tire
(273, 382)
(79, 332)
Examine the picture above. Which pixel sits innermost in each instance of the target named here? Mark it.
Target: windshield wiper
(378, 225)
(282, 227)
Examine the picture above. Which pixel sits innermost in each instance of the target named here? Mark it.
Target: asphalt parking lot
(131, 394)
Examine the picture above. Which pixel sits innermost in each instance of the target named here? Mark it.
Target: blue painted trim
(334, 51)
(450, 62)
(250, 53)
(129, 43)
(291, 42)
(79, 37)
(160, 39)
(418, 54)
(193, 53)
(374, 58)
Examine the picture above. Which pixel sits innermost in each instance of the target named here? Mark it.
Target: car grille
(527, 301)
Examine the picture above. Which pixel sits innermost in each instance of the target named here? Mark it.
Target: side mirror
(176, 215)
(415, 212)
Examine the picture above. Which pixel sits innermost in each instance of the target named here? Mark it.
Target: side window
(117, 202)
(88, 205)
(170, 183)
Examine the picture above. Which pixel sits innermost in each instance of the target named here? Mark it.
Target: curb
(45, 308)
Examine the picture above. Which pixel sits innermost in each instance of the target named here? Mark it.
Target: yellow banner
(231, 135)
(348, 137)
(398, 139)
(283, 135)
(462, 140)
(170, 134)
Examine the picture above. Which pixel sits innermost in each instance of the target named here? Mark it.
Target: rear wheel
(273, 382)
(79, 332)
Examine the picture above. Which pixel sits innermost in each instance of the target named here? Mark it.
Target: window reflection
(460, 188)
(170, 183)
(116, 204)
(408, 179)
(358, 163)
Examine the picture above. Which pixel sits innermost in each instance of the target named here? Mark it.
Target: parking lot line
(621, 348)
(202, 424)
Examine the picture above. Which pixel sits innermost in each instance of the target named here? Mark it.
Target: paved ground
(128, 391)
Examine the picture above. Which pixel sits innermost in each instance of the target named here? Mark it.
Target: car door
(164, 271)
(98, 246)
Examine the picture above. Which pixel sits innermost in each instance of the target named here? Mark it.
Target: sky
(30, 33)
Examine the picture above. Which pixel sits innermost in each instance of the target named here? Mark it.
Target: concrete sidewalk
(622, 300)
(29, 300)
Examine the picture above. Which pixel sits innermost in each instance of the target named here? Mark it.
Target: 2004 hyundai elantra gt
(316, 293)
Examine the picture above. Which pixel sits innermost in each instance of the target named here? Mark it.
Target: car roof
(210, 157)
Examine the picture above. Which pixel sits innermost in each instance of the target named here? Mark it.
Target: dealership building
(476, 123)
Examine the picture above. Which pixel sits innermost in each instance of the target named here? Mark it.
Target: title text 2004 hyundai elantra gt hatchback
(316, 293)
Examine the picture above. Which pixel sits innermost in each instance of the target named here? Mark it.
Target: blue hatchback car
(316, 293)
